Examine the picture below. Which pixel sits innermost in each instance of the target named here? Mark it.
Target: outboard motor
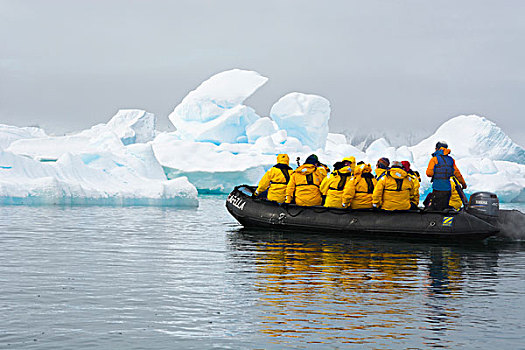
(484, 205)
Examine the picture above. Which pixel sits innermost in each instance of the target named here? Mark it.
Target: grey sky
(402, 65)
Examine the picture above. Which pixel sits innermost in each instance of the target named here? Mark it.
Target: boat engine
(484, 205)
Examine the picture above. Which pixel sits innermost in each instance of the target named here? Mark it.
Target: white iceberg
(9, 134)
(211, 168)
(220, 143)
(126, 127)
(133, 126)
(100, 179)
(304, 117)
(472, 136)
(263, 127)
(214, 112)
(94, 166)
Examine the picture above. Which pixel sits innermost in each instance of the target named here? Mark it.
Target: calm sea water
(160, 278)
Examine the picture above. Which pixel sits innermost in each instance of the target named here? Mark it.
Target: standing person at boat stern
(304, 183)
(276, 179)
(441, 168)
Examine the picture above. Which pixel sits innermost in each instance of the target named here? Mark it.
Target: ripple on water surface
(99, 277)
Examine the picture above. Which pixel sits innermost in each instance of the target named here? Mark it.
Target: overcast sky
(384, 65)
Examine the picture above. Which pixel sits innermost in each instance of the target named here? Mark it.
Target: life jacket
(380, 172)
(443, 171)
(358, 193)
(342, 181)
(368, 177)
(304, 186)
(455, 198)
(285, 170)
(332, 187)
(395, 191)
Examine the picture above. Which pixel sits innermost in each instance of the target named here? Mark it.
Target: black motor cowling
(484, 205)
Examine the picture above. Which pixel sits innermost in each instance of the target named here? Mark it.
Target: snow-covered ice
(9, 134)
(220, 143)
(304, 117)
(106, 164)
(214, 112)
(103, 179)
(126, 127)
(472, 136)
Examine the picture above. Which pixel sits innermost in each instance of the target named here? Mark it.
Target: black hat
(338, 165)
(441, 144)
(312, 159)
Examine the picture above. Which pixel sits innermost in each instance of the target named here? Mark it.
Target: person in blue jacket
(441, 168)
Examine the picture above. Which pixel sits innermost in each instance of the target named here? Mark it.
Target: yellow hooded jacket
(332, 187)
(417, 185)
(395, 191)
(455, 200)
(379, 172)
(304, 186)
(350, 159)
(358, 191)
(276, 180)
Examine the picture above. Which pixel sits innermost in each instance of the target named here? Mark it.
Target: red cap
(406, 165)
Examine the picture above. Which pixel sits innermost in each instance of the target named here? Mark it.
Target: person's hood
(283, 159)
(351, 160)
(441, 152)
(406, 165)
(383, 163)
(360, 170)
(398, 173)
(345, 170)
(312, 159)
(306, 169)
(338, 165)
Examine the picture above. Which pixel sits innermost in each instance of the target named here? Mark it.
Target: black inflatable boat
(478, 221)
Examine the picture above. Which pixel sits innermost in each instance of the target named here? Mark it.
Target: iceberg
(263, 127)
(506, 179)
(133, 126)
(9, 134)
(214, 112)
(126, 127)
(304, 117)
(472, 136)
(108, 164)
(102, 181)
(220, 143)
(211, 168)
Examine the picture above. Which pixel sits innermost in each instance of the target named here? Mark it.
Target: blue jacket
(443, 171)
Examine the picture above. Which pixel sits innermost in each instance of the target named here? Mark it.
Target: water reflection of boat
(336, 290)
(256, 212)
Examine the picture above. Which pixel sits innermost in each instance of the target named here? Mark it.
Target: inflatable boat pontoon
(478, 221)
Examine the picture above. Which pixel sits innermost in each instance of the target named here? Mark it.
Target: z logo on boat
(447, 221)
(236, 202)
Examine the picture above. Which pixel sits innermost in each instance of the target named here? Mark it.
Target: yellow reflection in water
(349, 294)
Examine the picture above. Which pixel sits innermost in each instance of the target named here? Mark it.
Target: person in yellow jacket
(349, 161)
(304, 183)
(332, 187)
(396, 190)
(357, 193)
(414, 175)
(455, 200)
(276, 179)
(382, 166)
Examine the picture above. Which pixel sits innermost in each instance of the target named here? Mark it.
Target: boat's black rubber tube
(256, 212)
